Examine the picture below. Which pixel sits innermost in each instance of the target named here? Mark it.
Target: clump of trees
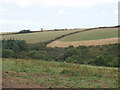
(105, 55)
(11, 47)
(25, 31)
(15, 45)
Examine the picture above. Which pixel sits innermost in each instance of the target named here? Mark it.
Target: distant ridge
(60, 30)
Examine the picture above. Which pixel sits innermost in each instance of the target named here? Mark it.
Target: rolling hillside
(33, 65)
(88, 38)
(38, 36)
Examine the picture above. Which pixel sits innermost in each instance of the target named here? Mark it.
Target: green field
(93, 35)
(7, 32)
(39, 36)
(46, 36)
(50, 74)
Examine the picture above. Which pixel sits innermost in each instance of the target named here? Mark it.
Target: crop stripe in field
(50, 41)
(84, 42)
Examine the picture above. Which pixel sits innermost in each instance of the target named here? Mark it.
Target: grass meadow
(92, 35)
(51, 74)
(38, 36)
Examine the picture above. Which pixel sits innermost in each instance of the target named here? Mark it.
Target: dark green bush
(15, 45)
(99, 61)
(70, 52)
(113, 63)
(74, 59)
(38, 56)
(7, 53)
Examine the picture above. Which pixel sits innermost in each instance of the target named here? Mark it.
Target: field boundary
(84, 42)
(57, 38)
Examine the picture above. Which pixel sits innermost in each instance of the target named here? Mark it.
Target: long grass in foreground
(60, 74)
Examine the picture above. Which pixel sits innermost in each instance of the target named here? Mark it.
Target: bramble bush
(105, 55)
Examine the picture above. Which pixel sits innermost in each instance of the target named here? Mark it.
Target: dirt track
(85, 42)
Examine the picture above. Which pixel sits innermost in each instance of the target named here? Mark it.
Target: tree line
(105, 55)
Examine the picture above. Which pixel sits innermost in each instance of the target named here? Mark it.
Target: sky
(16, 15)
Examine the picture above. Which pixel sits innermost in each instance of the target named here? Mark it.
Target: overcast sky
(17, 15)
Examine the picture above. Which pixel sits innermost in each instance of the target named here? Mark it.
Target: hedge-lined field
(38, 36)
(92, 35)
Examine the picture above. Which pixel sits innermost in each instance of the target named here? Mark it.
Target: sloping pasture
(38, 36)
(93, 37)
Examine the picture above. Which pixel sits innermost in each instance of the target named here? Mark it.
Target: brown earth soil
(85, 42)
(13, 80)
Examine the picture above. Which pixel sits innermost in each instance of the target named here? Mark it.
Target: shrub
(113, 63)
(99, 60)
(74, 59)
(38, 56)
(7, 53)
(15, 45)
(38, 46)
(70, 52)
